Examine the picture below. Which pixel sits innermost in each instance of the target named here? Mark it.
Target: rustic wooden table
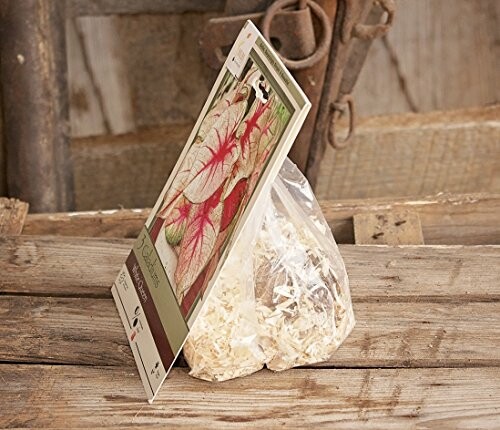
(425, 352)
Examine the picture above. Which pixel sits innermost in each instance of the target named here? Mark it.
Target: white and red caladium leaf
(249, 134)
(200, 285)
(176, 221)
(180, 181)
(198, 242)
(216, 156)
(234, 95)
(232, 203)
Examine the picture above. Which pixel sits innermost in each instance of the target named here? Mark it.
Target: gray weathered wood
(392, 156)
(447, 219)
(387, 334)
(388, 228)
(99, 89)
(128, 170)
(112, 7)
(424, 63)
(12, 216)
(463, 219)
(88, 267)
(35, 100)
(72, 396)
(416, 155)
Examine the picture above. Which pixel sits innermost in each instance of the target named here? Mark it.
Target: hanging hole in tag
(261, 87)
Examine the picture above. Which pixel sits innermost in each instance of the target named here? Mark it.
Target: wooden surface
(388, 228)
(469, 219)
(99, 104)
(415, 333)
(128, 170)
(35, 110)
(93, 397)
(110, 7)
(425, 352)
(391, 156)
(443, 64)
(439, 54)
(12, 216)
(128, 72)
(415, 155)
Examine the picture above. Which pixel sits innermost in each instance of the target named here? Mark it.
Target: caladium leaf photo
(235, 93)
(249, 133)
(216, 156)
(176, 221)
(247, 125)
(217, 177)
(232, 203)
(198, 242)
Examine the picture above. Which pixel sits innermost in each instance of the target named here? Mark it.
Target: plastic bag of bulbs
(289, 305)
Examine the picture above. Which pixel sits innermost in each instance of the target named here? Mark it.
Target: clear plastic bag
(287, 306)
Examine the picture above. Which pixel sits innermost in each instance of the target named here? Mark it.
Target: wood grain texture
(463, 219)
(119, 223)
(110, 7)
(35, 104)
(61, 266)
(87, 331)
(445, 51)
(128, 72)
(447, 219)
(68, 266)
(415, 155)
(72, 396)
(3, 160)
(388, 228)
(128, 170)
(392, 156)
(12, 216)
(100, 96)
(168, 80)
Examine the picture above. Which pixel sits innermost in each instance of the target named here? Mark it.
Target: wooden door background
(137, 84)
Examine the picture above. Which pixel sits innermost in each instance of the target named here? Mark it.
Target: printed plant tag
(238, 144)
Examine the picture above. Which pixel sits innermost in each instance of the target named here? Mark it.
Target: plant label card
(238, 144)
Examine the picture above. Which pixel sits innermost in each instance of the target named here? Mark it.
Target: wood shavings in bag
(223, 343)
(287, 306)
(304, 314)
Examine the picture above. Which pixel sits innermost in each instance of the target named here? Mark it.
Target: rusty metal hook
(366, 32)
(336, 110)
(326, 31)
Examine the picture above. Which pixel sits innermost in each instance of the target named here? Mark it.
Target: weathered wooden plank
(88, 267)
(468, 219)
(447, 219)
(423, 67)
(457, 151)
(387, 334)
(100, 96)
(388, 228)
(128, 170)
(70, 396)
(111, 7)
(119, 223)
(3, 161)
(12, 216)
(415, 155)
(34, 96)
(61, 266)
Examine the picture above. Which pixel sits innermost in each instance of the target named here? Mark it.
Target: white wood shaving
(287, 306)
(304, 313)
(223, 343)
